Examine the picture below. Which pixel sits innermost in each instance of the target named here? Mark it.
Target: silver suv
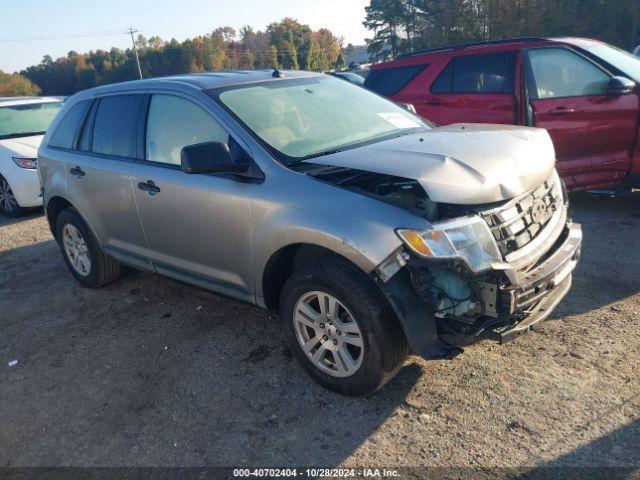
(370, 231)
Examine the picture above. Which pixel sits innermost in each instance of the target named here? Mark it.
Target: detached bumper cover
(540, 290)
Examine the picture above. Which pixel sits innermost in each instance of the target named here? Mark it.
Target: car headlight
(468, 239)
(25, 162)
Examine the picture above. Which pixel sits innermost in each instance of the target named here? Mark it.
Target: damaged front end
(491, 250)
(494, 270)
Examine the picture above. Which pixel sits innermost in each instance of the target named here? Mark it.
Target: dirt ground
(150, 372)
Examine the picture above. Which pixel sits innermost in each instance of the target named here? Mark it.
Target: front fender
(417, 321)
(365, 244)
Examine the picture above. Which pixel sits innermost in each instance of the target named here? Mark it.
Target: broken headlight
(468, 239)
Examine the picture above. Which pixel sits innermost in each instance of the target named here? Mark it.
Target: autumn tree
(15, 85)
(284, 44)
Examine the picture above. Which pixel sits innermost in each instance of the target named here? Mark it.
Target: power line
(108, 33)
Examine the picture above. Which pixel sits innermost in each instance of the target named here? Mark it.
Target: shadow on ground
(35, 213)
(607, 457)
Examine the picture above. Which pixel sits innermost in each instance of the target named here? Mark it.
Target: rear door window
(488, 73)
(389, 81)
(65, 135)
(84, 141)
(115, 130)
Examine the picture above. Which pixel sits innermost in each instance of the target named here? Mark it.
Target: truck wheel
(82, 253)
(8, 203)
(340, 328)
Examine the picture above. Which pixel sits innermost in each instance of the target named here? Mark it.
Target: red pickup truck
(584, 92)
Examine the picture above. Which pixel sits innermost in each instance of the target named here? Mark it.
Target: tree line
(398, 26)
(287, 44)
(403, 26)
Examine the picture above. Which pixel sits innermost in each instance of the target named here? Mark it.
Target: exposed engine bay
(402, 192)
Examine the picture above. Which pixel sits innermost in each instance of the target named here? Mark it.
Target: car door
(593, 132)
(98, 176)
(197, 225)
(477, 88)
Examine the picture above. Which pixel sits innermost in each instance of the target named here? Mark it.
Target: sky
(30, 29)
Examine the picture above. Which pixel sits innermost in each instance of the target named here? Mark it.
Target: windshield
(27, 119)
(623, 61)
(303, 118)
(351, 77)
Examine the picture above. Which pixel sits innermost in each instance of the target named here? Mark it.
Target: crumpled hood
(26, 146)
(462, 163)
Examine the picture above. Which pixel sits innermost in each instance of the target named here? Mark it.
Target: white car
(23, 122)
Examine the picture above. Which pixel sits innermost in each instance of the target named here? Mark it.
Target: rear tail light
(25, 162)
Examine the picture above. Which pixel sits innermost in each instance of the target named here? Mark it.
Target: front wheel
(340, 328)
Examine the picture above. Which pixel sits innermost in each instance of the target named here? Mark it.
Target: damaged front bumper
(509, 301)
(540, 289)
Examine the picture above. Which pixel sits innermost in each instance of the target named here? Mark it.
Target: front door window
(174, 123)
(560, 73)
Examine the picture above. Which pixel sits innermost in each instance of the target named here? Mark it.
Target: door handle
(562, 111)
(77, 172)
(149, 186)
(434, 102)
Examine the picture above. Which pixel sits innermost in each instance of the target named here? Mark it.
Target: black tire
(385, 346)
(103, 269)
(15, 210)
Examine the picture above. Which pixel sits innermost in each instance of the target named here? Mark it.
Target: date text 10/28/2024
(315, 472)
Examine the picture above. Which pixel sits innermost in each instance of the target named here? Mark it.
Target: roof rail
(462, 46)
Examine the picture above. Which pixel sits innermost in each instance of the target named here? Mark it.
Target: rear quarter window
(115, 130)
(65, 134)
(389, 81)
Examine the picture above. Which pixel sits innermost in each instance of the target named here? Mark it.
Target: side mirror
(620, 86)
(211, 157)
(409, 107)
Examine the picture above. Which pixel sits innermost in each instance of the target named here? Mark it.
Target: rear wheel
(82, 253)
(8, 203)
(340, 328)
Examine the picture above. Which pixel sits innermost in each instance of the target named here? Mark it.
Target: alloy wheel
(328, 334)
(8, 202)
(76, 250)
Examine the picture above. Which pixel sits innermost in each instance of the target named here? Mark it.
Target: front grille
(519, 221)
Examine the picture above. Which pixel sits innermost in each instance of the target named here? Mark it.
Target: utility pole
(135, 49)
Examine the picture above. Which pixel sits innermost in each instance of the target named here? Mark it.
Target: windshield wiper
(316, 155)
(21, 134)
(401, 133)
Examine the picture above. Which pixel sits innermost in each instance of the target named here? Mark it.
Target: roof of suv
(464, 46)
(414, 57)
(206, 80)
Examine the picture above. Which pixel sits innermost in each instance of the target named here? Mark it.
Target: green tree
(15, 85)
(273, 56)
(400, 26)
(293, 40)
(385, 18)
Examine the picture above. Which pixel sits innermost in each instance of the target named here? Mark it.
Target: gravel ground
(151, 372)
